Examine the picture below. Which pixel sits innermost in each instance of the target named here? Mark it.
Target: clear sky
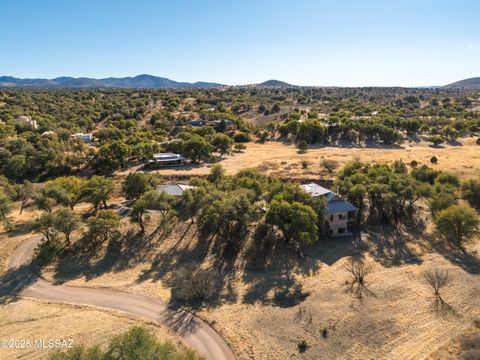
(304, 42)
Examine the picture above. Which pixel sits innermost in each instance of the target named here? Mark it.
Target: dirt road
(22, 281)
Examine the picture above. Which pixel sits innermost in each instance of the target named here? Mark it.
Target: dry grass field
(283, 160)
(32, 320)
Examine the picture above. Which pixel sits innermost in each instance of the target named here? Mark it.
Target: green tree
(226, 215)
(103, 227)
(296, 221)
(5, 205)
(161, 202)
(217, 173)
(25, 192)
(72, 190)
(137, 183)
(197, 148)
(45, 224)
(65, 221)
(97, 191)
(458, 223)
(138, 213)
(471, 192)
(222, 143)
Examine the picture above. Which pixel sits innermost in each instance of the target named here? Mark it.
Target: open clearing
(283, 159)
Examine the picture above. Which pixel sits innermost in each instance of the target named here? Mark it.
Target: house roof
(174, 189)
(340, 206)
(167, 157)
(335, 203)
(315, 189)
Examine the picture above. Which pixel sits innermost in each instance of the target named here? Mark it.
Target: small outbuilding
(174, 189)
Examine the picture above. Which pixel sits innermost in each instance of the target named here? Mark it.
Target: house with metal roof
(340, 216)
(174, 189)
(166, 159)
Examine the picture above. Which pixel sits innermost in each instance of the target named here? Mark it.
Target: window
(342, 217)
(342, 230)
(331, 217)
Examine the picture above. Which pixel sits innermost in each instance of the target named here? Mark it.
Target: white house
(174, 189)
(166, 159)
(86, 138)
(340, 216)
(27, 120)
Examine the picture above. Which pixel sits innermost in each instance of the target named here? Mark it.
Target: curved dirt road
(22, 281)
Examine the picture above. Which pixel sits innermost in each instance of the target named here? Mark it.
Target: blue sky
(305, 42)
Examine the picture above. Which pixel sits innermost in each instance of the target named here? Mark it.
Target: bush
(241, 137)
(329, 165)
(433, 159)
(302, 146)
(302, 345)
(136, 344)
(478, 141)
(305, 164)
(414, 163)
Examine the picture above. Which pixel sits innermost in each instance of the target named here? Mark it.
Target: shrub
(241, 137)
(136, 344)
(302, 345)
(458, 223)
(433, 159)
(302, 146)
(478, 141)
(414, 163)
(305, 164)
(329, 165)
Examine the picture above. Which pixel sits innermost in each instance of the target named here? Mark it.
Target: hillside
(467, 84)
(275, 84)
(139, 81)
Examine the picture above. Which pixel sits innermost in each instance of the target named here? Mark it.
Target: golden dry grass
(33, 319)
(280, 159)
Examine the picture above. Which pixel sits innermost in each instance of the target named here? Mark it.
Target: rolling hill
(468, 84)
(275, 84)
(140, 81)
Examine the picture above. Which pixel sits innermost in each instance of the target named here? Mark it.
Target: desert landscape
(301, 182)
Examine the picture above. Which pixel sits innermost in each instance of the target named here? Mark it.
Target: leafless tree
(438, 279)
(359, 272)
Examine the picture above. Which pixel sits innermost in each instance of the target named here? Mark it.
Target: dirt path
(195, 332)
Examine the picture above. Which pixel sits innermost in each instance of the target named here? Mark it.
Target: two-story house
(340, 216)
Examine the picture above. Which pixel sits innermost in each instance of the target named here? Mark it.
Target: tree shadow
(457, 255)
(181, 320)
(389, 246)
(123, 252)
(15, 280)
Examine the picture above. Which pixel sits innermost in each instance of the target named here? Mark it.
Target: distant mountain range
(467, 84)
(140, 81)
(146, 81)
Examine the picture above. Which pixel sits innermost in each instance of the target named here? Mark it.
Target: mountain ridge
(468, 84)
(140, 81)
